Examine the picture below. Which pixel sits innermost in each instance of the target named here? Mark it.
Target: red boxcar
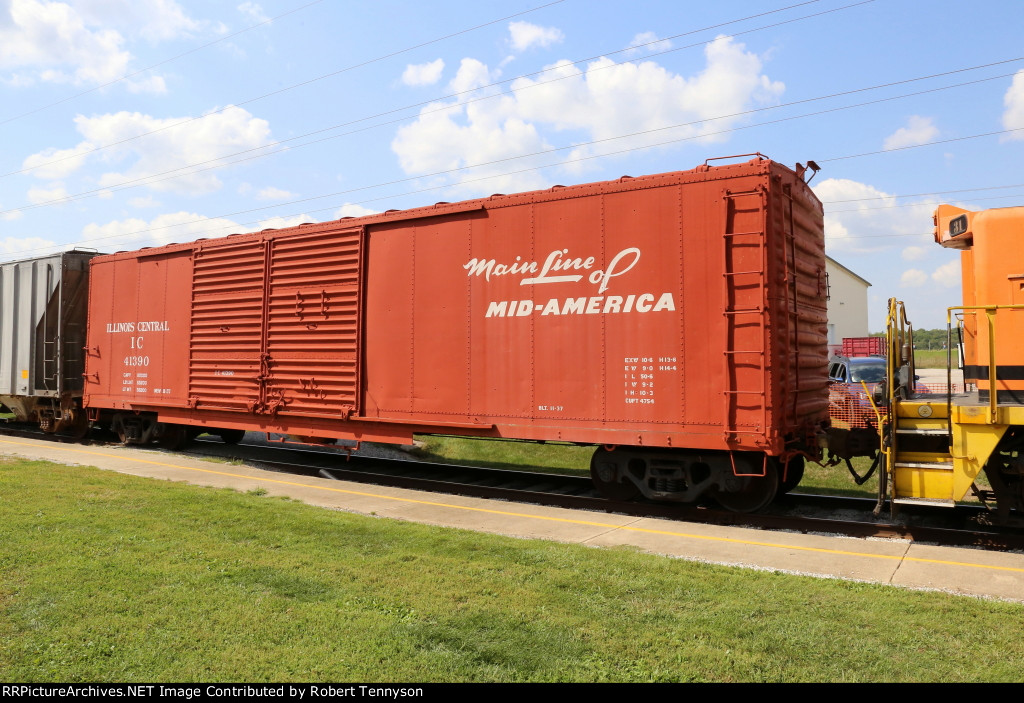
(677, 319)
(863, 346)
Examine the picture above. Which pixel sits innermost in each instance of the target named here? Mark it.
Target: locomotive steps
(922, 457)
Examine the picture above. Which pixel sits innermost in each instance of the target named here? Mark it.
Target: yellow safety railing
(899, 337)
(990, 315)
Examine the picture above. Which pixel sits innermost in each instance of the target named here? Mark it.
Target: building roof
(832, 261)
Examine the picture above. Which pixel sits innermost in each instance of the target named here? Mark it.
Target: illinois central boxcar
(677, 321)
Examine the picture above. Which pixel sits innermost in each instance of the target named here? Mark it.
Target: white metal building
(847, 304)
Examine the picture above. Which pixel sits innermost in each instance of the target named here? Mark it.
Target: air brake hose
(859, 480)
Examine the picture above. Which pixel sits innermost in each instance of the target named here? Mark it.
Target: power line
(930, 202)
(159, 63)
(283, 90)
(914, 146)
(921, 195)
(423, 190)
(484, 87)
(154, 178)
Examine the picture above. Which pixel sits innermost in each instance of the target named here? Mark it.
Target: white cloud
(271, 193)
(143, 202)
(603, 101)
(472, 74)
(861, 218)
(153, 84)
(1013, 117)
(169, 148)
(948, 275)
(53, 164)
(51, 40)
(153, 20)
(919, 130)
(284, 222)
(352, 210)
(47, 195)
(913, 278)
(83, 42)
(24, 246)
(9, 215)
(914, 253)
(163, 229)
(526, 35)
(647, 41)
(253, 12)
(423, 73)
(610, 99)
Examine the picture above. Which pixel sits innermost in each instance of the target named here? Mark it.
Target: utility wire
(922, 195)
(473, 90)
(155, 178)
(159, 63)
(283, 90)
(145, 180)
(610, 139)
(170, 174)
(413, 192)
(931, 202)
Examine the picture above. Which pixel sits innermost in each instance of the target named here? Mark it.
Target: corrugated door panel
(227, 321)
(313, 323)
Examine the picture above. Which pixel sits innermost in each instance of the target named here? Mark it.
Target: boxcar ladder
(744, 307)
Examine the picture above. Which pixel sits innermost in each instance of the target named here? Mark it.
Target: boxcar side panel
(438, 382)
(576, 314)
(682, 309)
(677, 305)
(502, 382)
(139, 321)
(642, 260)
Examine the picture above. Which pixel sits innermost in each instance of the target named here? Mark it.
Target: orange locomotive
(937, 447)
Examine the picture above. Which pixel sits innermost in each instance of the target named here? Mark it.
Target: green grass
(931, 359)
(110, 577)
(556, 457)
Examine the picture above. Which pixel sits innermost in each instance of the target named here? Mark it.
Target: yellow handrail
(990, 315)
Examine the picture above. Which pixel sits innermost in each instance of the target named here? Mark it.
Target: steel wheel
(606, 479)
(173, 437)
(79, 426)
(748, 494)
(230, 436)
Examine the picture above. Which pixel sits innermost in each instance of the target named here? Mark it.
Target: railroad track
(961, 526)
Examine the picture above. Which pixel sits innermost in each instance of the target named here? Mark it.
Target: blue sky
(129, 124)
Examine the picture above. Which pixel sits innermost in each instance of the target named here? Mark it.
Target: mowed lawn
(109, 577)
